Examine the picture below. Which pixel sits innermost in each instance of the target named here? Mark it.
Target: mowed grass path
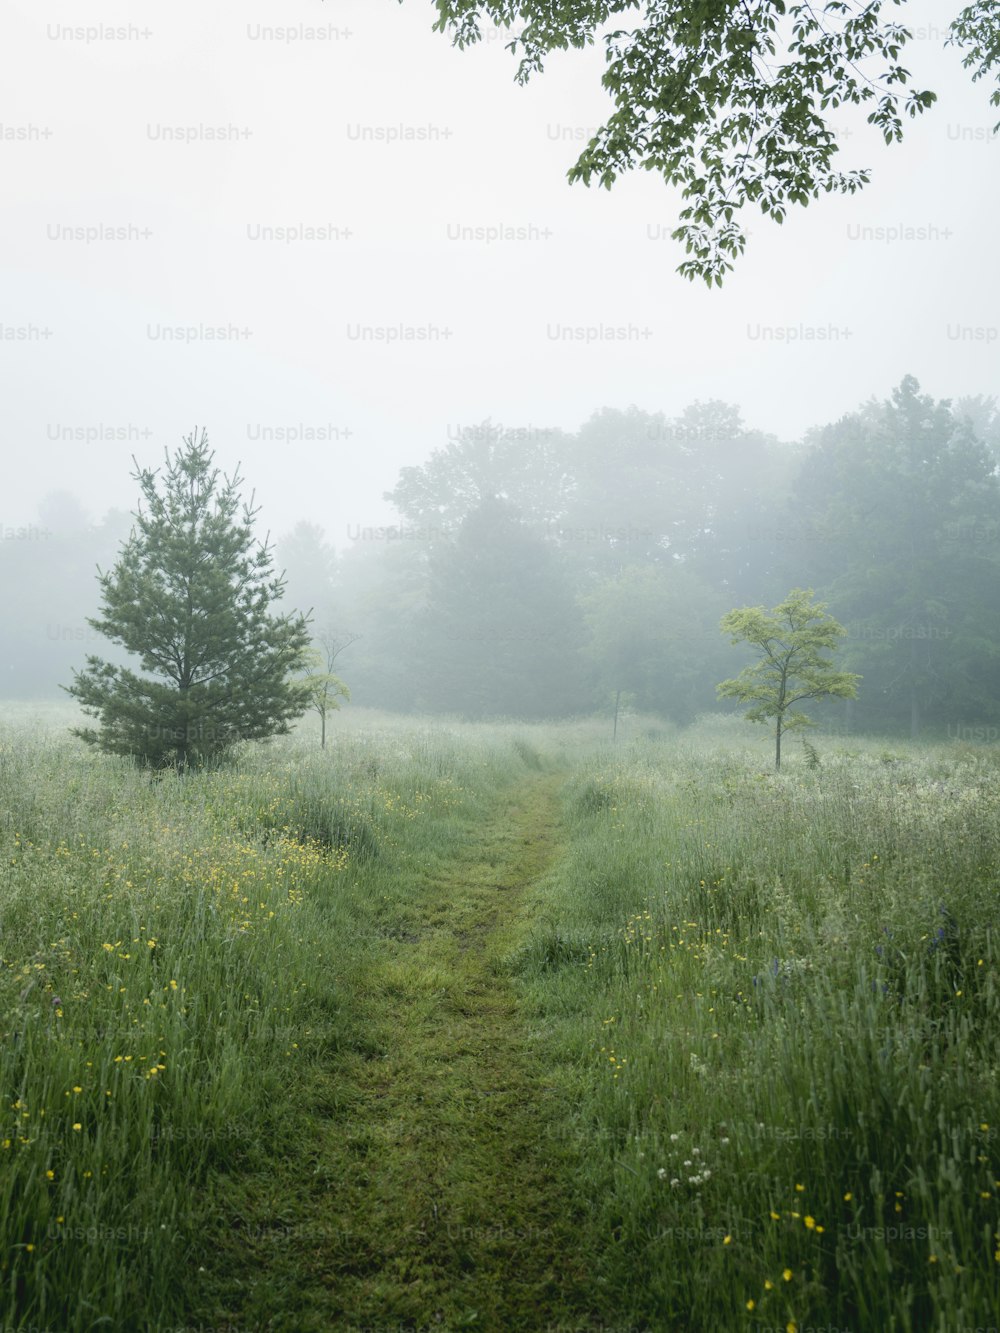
(440, 1192)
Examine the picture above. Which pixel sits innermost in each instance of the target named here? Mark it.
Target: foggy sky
(83, 146)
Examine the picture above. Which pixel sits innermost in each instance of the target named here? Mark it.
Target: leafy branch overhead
(728, 99)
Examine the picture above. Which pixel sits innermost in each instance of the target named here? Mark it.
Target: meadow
(453, 1026)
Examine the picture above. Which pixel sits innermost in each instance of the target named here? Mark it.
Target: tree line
(551, 576)
(545, 574)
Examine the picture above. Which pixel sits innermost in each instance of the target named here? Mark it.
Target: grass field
(457, 1027)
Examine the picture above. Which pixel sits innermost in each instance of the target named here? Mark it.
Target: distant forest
(537, 573)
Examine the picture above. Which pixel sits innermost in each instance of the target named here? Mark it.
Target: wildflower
(848, 1197)
(787, 1275)
(751, 1304)
(78, 1126)
(50, 1175)
(662, 1173)
(810, 1223)
(727, 1240)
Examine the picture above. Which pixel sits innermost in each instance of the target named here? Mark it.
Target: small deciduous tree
(794, 640)
(191, 598)
(324, 687)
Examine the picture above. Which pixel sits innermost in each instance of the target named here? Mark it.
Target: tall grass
(775, 999)
(770, 1003)
(170, 966)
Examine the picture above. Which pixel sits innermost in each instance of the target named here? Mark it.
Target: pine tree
(190, 597)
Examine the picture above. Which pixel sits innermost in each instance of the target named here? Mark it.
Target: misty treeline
(538, 573)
